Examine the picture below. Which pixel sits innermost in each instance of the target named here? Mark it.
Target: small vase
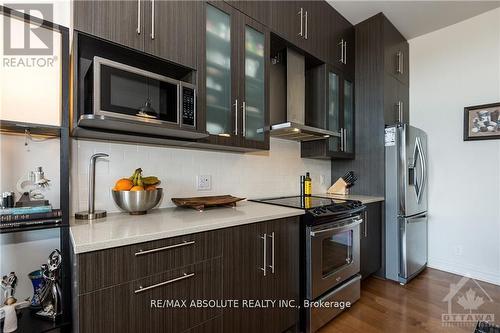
(36, 278)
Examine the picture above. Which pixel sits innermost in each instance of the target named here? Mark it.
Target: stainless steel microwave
(132, 94)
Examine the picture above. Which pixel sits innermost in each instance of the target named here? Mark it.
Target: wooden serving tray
(200, 203)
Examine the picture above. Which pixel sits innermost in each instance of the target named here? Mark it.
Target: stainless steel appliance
(405, 202)
(130, 99)
(288, 121)
(330, 237)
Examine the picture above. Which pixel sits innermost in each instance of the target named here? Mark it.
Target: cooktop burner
(316, 206)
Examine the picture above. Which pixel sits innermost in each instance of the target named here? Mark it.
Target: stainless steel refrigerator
(406, 202)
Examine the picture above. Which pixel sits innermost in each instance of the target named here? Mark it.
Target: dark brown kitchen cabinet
(234, 68)
(302, 23)
(120, 289)
(341, 37)
(396, 101)
(135, 306)
(396, 53)
(257, 10)
(172, 30)
(334, 112)
(164, 28)
(261, 262)
(371, 240)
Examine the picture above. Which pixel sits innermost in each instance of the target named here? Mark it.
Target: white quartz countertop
(366, 199)
(119, 229)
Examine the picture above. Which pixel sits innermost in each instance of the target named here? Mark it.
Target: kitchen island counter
(121, 229)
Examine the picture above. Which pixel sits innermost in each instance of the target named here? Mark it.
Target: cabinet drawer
(129, 307)
(105, 268)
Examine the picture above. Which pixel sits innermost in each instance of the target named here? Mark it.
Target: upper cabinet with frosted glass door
(338, 118)
(233, 78)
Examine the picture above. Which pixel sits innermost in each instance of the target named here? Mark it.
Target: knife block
(339, 187)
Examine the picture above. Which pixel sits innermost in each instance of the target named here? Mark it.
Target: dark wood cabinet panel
(105, 268)
(396, 52)
(371, 240)
(122, 309)
(244, 276)
(247, 250)
(257, 10)
(283, 284)
(396, 101)
(287, 20)
(83, 12)
(212, 326)
(117, 21)
(174, 24)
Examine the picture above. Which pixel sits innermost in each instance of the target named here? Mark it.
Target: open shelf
(29, 323)
(32, 227)
(8, 126)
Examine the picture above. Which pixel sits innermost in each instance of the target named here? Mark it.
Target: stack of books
(29, 216)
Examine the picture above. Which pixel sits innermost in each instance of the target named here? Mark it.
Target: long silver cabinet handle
(143, 252)
(152, 19)
(345, 52)
(306, 25)
(341, 51)
(301, 13)
(365, 231)
(399, 69)
(138, 17)
(272, 253)
(236, 117)
(264, 266)
(183, 277)
(341, 139)
(244, 116)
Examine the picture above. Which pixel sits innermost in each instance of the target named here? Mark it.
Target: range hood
(288, 83)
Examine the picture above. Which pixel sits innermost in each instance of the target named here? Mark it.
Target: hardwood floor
(386, 306)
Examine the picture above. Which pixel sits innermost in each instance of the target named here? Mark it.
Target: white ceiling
(414, 18)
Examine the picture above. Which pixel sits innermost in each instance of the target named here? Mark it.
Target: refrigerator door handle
(423, 169)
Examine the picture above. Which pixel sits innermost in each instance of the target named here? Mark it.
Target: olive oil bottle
(307, 185)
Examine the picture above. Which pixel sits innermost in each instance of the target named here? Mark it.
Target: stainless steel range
(330, 240)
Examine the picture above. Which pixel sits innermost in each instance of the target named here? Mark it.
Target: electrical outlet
(204, 182)
(458, 250)
(322, 179)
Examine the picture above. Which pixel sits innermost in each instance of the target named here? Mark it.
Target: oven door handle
(355, 221)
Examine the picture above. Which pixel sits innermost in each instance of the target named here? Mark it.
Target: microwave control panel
(188, 106)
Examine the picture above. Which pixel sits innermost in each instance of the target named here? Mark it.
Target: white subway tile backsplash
(250, 175)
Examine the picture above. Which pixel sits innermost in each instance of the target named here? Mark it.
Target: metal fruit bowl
(137, 202)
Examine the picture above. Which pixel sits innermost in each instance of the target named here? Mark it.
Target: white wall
(452, 68)
(250, 175)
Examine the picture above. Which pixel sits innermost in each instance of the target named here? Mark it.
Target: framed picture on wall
(482, 122)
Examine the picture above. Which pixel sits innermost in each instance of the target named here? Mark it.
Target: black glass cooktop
(316, 206)
(302, 202)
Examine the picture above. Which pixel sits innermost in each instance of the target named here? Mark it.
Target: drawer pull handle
(185, 243)
(183, 277)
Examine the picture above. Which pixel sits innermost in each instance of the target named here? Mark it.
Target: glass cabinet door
(218, 72)
(333, 120)
(349, 116)
(254, 104)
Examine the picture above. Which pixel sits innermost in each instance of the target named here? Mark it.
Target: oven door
(332, 254)
(126, 92)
